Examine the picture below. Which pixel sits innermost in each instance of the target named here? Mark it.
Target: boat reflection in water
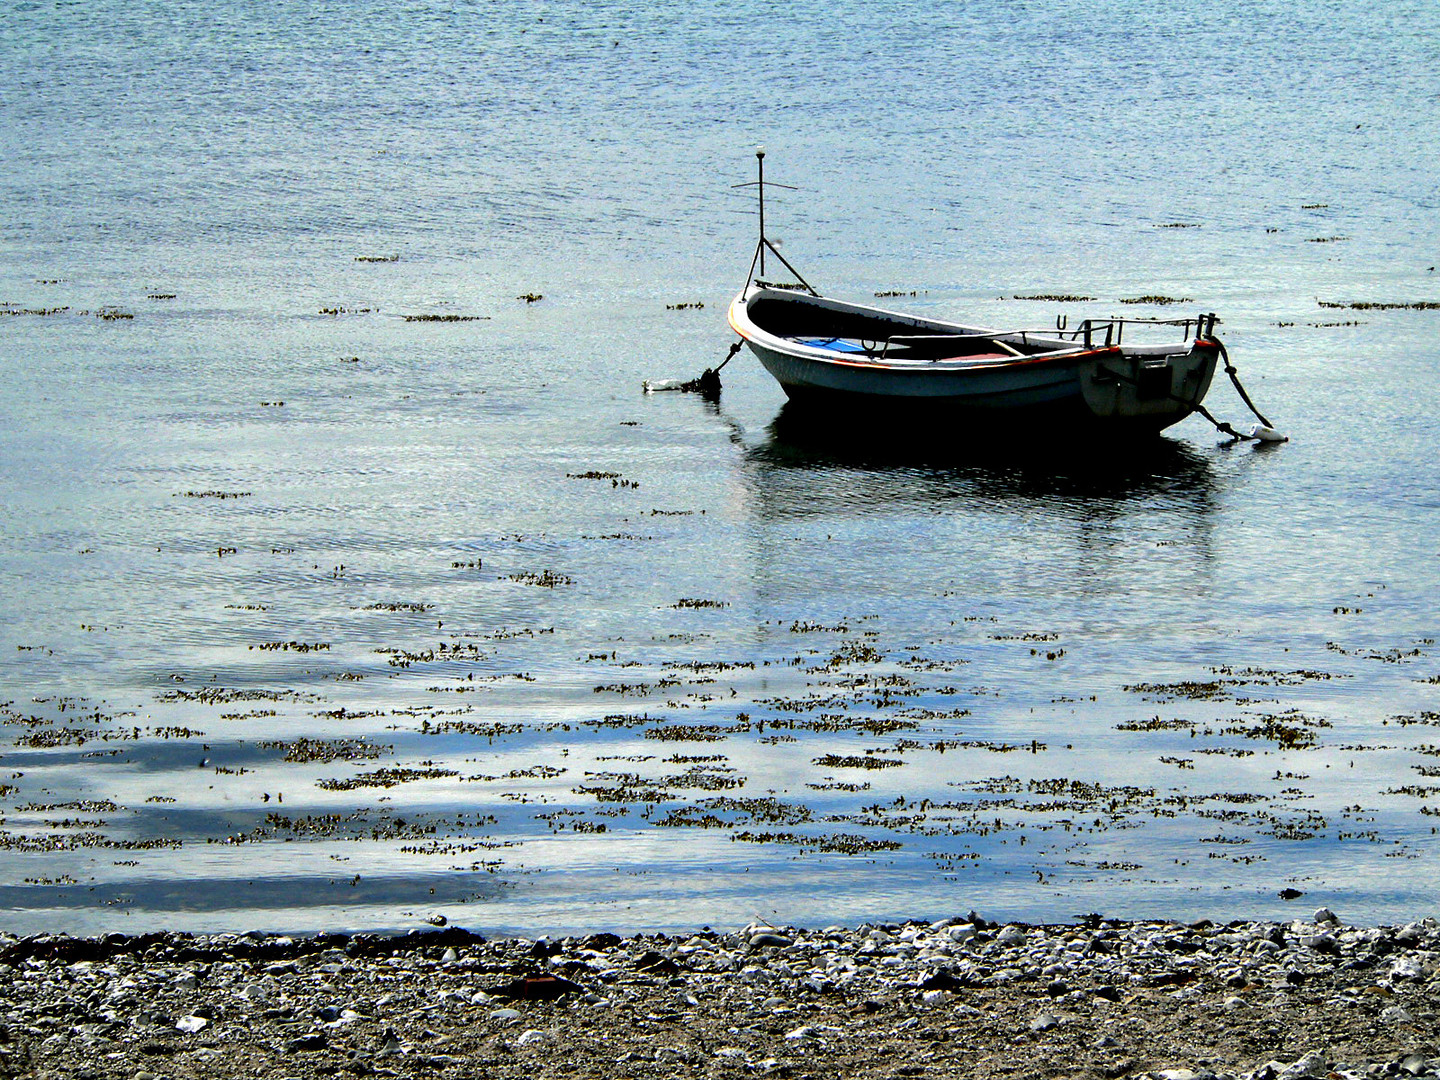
(884, 512)
(897, 466)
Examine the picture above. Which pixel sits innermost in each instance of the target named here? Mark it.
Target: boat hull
(992, 377)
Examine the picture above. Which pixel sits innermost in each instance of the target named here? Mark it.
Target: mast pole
(760, 161)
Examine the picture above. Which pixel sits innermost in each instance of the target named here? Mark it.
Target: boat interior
(878, 337)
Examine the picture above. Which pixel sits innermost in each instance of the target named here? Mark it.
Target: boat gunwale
(1065, 353)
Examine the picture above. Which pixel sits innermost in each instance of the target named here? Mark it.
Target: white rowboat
(826, 351)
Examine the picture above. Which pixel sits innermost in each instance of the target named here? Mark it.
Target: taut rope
(1235, 378)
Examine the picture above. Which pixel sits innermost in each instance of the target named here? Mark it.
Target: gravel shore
(958, 998)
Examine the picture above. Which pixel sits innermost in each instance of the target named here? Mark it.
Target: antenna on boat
(760, 197)
(759, 184)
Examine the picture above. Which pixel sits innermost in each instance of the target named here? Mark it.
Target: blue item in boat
(833, 344)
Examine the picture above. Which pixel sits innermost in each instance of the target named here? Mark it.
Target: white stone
(1312, 1064)
(1407, 967)
(390, 1045)
(263, 990)
(1044, 1022)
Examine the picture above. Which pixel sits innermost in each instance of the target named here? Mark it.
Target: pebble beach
(959, 997)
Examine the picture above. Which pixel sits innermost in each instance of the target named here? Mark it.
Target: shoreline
(961, 997)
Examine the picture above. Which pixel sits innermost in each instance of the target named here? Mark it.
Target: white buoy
(654, 386)
(1267, 434)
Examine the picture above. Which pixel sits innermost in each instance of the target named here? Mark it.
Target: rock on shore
(958, 998)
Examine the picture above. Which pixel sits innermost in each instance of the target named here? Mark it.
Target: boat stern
(1149, 385)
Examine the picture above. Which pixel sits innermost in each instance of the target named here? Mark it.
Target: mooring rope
(708, 383)
(735, 348)
(1235, 378)
(709, 380)
(1220, 425)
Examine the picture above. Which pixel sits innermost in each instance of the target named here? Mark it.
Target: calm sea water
(319, 616)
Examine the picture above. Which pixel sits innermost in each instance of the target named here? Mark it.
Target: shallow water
(347, 620)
